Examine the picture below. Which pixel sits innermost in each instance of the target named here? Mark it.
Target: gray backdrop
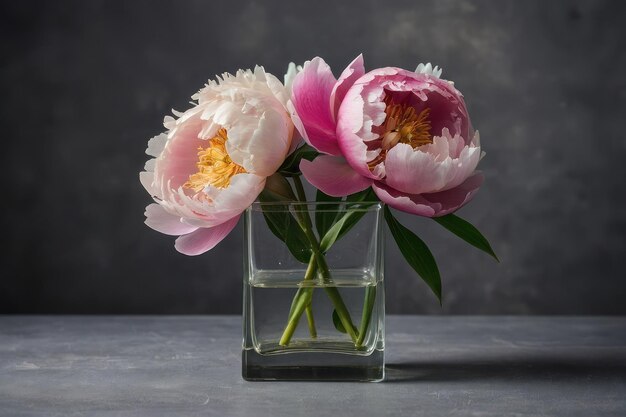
(84, 84)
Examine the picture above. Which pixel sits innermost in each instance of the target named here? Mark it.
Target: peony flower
(406, 134)
(213, 161)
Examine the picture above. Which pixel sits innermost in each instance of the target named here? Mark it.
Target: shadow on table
(517, 368)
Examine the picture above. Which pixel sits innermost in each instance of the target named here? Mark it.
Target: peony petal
(429, 70)
(333, 176)
(448, 109)
(204, 239)
(311, 93)
(277, 88)
(149, 165)
(363, 109)
(290, 75)
(156, 145)
(299, 127)
(242, 191)
(179, 158)
(430, 168)
(413, 171)
(350, 120)
(413, 204)
(219, 204)
(260, 144)
(147, 180)
(161, 221)
(430, 205)
(354, 71)
(251, 107)
(296, 141)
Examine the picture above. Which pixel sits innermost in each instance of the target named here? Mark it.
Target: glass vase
(313, 292)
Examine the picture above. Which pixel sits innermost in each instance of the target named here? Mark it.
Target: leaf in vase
(337, 322)
(339, 325)
(350, 218)
(326, 213)
(297, 242)
(283, 225)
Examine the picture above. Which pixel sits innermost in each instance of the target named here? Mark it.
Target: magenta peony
(406, 134)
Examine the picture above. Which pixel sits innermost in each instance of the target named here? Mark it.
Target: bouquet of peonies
(392, 135)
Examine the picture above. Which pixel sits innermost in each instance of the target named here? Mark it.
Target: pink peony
(406, 134)
(214, 160)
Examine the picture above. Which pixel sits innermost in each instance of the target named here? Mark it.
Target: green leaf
(276, 223)
(327, 213)
(369, 198)
(297, 243)
(339, 229)
(282, 224)
(367, 195)
(291, 166)
(416, 253)
(339, 325)
(466, 231)
(295, 301)
(366, 315)
(349, 219)
(274, 216)
(337, 322)
(277, 188)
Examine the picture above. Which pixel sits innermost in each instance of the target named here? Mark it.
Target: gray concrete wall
(85, 84)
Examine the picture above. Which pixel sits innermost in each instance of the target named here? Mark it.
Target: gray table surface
(449, 366)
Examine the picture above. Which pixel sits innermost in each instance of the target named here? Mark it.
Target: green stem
(299, 188)
(342, 312)
(304, 295)
(332, 292)
(309, 275)
(311, 320)
(368, 307)
(301, 215)
(301, 302)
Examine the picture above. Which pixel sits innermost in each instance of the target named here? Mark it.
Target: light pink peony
(214, 160)
(406, 134)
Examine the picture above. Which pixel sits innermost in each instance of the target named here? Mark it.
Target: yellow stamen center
(214, 165)
(402, 125)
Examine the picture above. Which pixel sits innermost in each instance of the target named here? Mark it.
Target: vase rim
(360, 206)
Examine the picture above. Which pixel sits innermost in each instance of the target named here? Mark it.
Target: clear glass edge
(371, 206)
(248, 322)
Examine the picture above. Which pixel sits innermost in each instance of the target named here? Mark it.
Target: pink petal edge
(353, 72)
(204, 239)
(333, 176)
(310, 97)
(431, 205)
(161, 221)
(350, 121)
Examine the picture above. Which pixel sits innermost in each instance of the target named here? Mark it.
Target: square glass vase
(313, 292)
